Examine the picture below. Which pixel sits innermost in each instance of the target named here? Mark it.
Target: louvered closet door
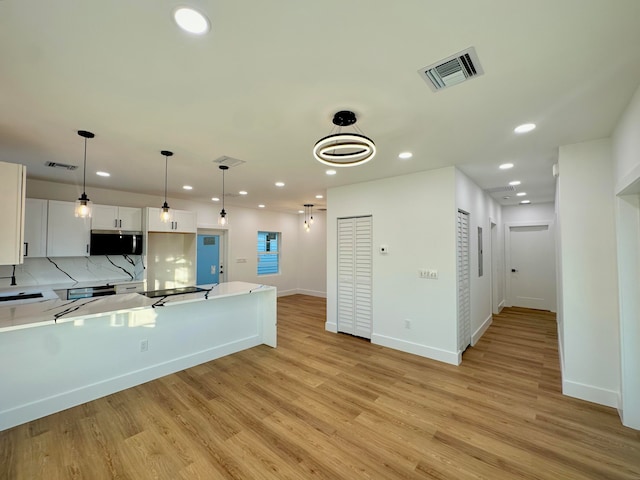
(355, 272)
(464, 296)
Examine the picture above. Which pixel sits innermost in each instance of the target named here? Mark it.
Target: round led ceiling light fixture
(344, 149)
(191, 20)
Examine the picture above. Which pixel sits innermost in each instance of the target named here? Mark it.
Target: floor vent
(60, 165)
(452, 70)
(228, 161)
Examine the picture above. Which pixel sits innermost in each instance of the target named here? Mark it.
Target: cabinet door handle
(115, 223)
(120, 223)
(87, 248)
(176, 226)
(26, 249)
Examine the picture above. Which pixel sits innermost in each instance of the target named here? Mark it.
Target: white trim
(590, 393)
(453, 358)
(480, 331)
(628, 184)
(500, 306)
(331, 327)
(313, 293)
(285, 293)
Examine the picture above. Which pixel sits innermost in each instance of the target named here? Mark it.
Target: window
(268, 253)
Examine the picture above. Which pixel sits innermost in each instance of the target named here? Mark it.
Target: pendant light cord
(84, 168)
(222, 190)
(166, 168)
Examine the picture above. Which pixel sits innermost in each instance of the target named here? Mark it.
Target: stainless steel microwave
(106, 242)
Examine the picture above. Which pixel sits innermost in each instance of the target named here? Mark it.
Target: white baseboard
(331, 327)
(445, 356)
(501, 305)
(285, 293)
(46, 406)
(590, 393)
(301, 291)
(480, 331)
(313, 293)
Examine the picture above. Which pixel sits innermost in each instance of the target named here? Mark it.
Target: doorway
(210, 257)
(531, 268)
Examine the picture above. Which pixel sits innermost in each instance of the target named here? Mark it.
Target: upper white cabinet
(67, 235)
(108, 217)
(35, 228)
(12, 192)
(182, 221)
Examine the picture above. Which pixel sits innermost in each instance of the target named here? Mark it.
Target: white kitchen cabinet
(12, 196)
(35, 227)
(67, 235)
(129, 287)
(110, 217)
(182, 221)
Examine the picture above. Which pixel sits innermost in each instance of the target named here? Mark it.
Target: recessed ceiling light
(524, 202)
(506, 166)
(300, 211)
(319, 196)
(524, 128)
(279, 184)
(515, 182)
(521, 194)
(103, 174)
(405, 155)
(187, 187)
(506, 197)
(261, 206)
(331, 172)
(243, 192)
(215, 199)
(191, 20)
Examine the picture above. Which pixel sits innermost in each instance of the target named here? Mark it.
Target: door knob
(513, 270)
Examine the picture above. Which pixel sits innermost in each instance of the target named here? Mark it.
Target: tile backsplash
(67, 271)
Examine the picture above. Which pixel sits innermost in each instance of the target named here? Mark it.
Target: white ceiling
(264, 84)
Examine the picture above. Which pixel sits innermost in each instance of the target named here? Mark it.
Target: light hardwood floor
(333, 406)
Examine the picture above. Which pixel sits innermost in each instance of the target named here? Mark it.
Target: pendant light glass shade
(165, 211)
(308, 217)
(83, 204)
(223, 218)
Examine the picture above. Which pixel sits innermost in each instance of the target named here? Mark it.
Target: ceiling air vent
(60, 165)
(452, 70)
(508, 188)
(228, 161)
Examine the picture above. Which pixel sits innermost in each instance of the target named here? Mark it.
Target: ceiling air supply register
(452, 70)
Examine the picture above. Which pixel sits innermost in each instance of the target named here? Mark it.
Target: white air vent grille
(452, 70)
(508, 188)
(60, 165)
(228, 161)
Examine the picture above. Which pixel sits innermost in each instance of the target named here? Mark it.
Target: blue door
(208, 254)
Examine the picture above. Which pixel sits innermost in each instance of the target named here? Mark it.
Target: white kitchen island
(56, 354)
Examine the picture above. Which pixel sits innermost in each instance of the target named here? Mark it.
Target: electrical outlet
(407, 323)
(144, 345)
(423, 273)
(433, 274)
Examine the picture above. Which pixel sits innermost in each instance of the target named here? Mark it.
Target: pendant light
(165, 213)
(83, 204)
(308, 216)
(222, 218)
(344, 149)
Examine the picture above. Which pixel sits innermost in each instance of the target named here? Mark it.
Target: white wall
(626, 154)
(589, 273)
(415, 215)
(535, 212)
(244, 223)
(482, 211)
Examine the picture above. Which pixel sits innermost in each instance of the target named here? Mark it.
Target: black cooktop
(173, 291)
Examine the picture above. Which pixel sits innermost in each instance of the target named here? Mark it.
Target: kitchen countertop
(48, 312)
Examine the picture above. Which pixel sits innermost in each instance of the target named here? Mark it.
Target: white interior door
(531, 271)
(355, 274)
(464, 293)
